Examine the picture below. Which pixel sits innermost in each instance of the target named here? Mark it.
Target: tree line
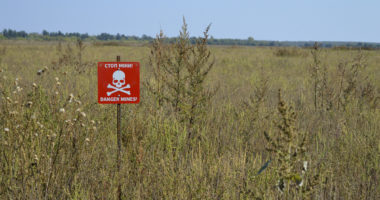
(48, 36)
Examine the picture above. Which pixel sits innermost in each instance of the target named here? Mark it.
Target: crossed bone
(118, 89)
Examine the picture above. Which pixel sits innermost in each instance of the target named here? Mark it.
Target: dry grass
(56, 142)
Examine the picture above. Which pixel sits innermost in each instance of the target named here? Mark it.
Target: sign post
(118, 138)
(118, 83)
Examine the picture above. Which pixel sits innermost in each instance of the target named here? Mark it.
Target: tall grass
(211, 123)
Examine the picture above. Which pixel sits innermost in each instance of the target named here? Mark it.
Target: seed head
(83, 114)
(19, 89)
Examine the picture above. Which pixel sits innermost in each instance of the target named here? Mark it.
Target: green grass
(49, 154)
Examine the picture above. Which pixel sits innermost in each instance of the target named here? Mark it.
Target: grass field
(319, 139)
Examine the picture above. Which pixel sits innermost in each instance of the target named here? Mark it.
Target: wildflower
(6, 129)
(61, 110)
(92, 122)
(34, 85)
(87, 139)
(58, 83)
(56, 93)
(57, 79)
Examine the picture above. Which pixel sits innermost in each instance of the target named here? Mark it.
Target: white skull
(118, 78)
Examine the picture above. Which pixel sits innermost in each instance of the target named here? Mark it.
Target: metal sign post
(118, 83)
(118, 138)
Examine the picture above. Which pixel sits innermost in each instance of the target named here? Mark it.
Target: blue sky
(293, 20)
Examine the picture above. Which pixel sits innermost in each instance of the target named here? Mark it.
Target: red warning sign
(118, 82)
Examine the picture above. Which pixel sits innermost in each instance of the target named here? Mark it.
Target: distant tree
(22, 34)
(14, 34)
(84, 36)
(105, 36)
(45, 33)
(145, 37)
(118, 37)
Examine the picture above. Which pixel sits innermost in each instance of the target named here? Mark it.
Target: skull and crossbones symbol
(118, 80)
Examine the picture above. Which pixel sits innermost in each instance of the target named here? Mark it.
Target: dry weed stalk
(159, 56)
(288, 148)
(70, 56)
(354, 85)
(180, 70)
(322, 93)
